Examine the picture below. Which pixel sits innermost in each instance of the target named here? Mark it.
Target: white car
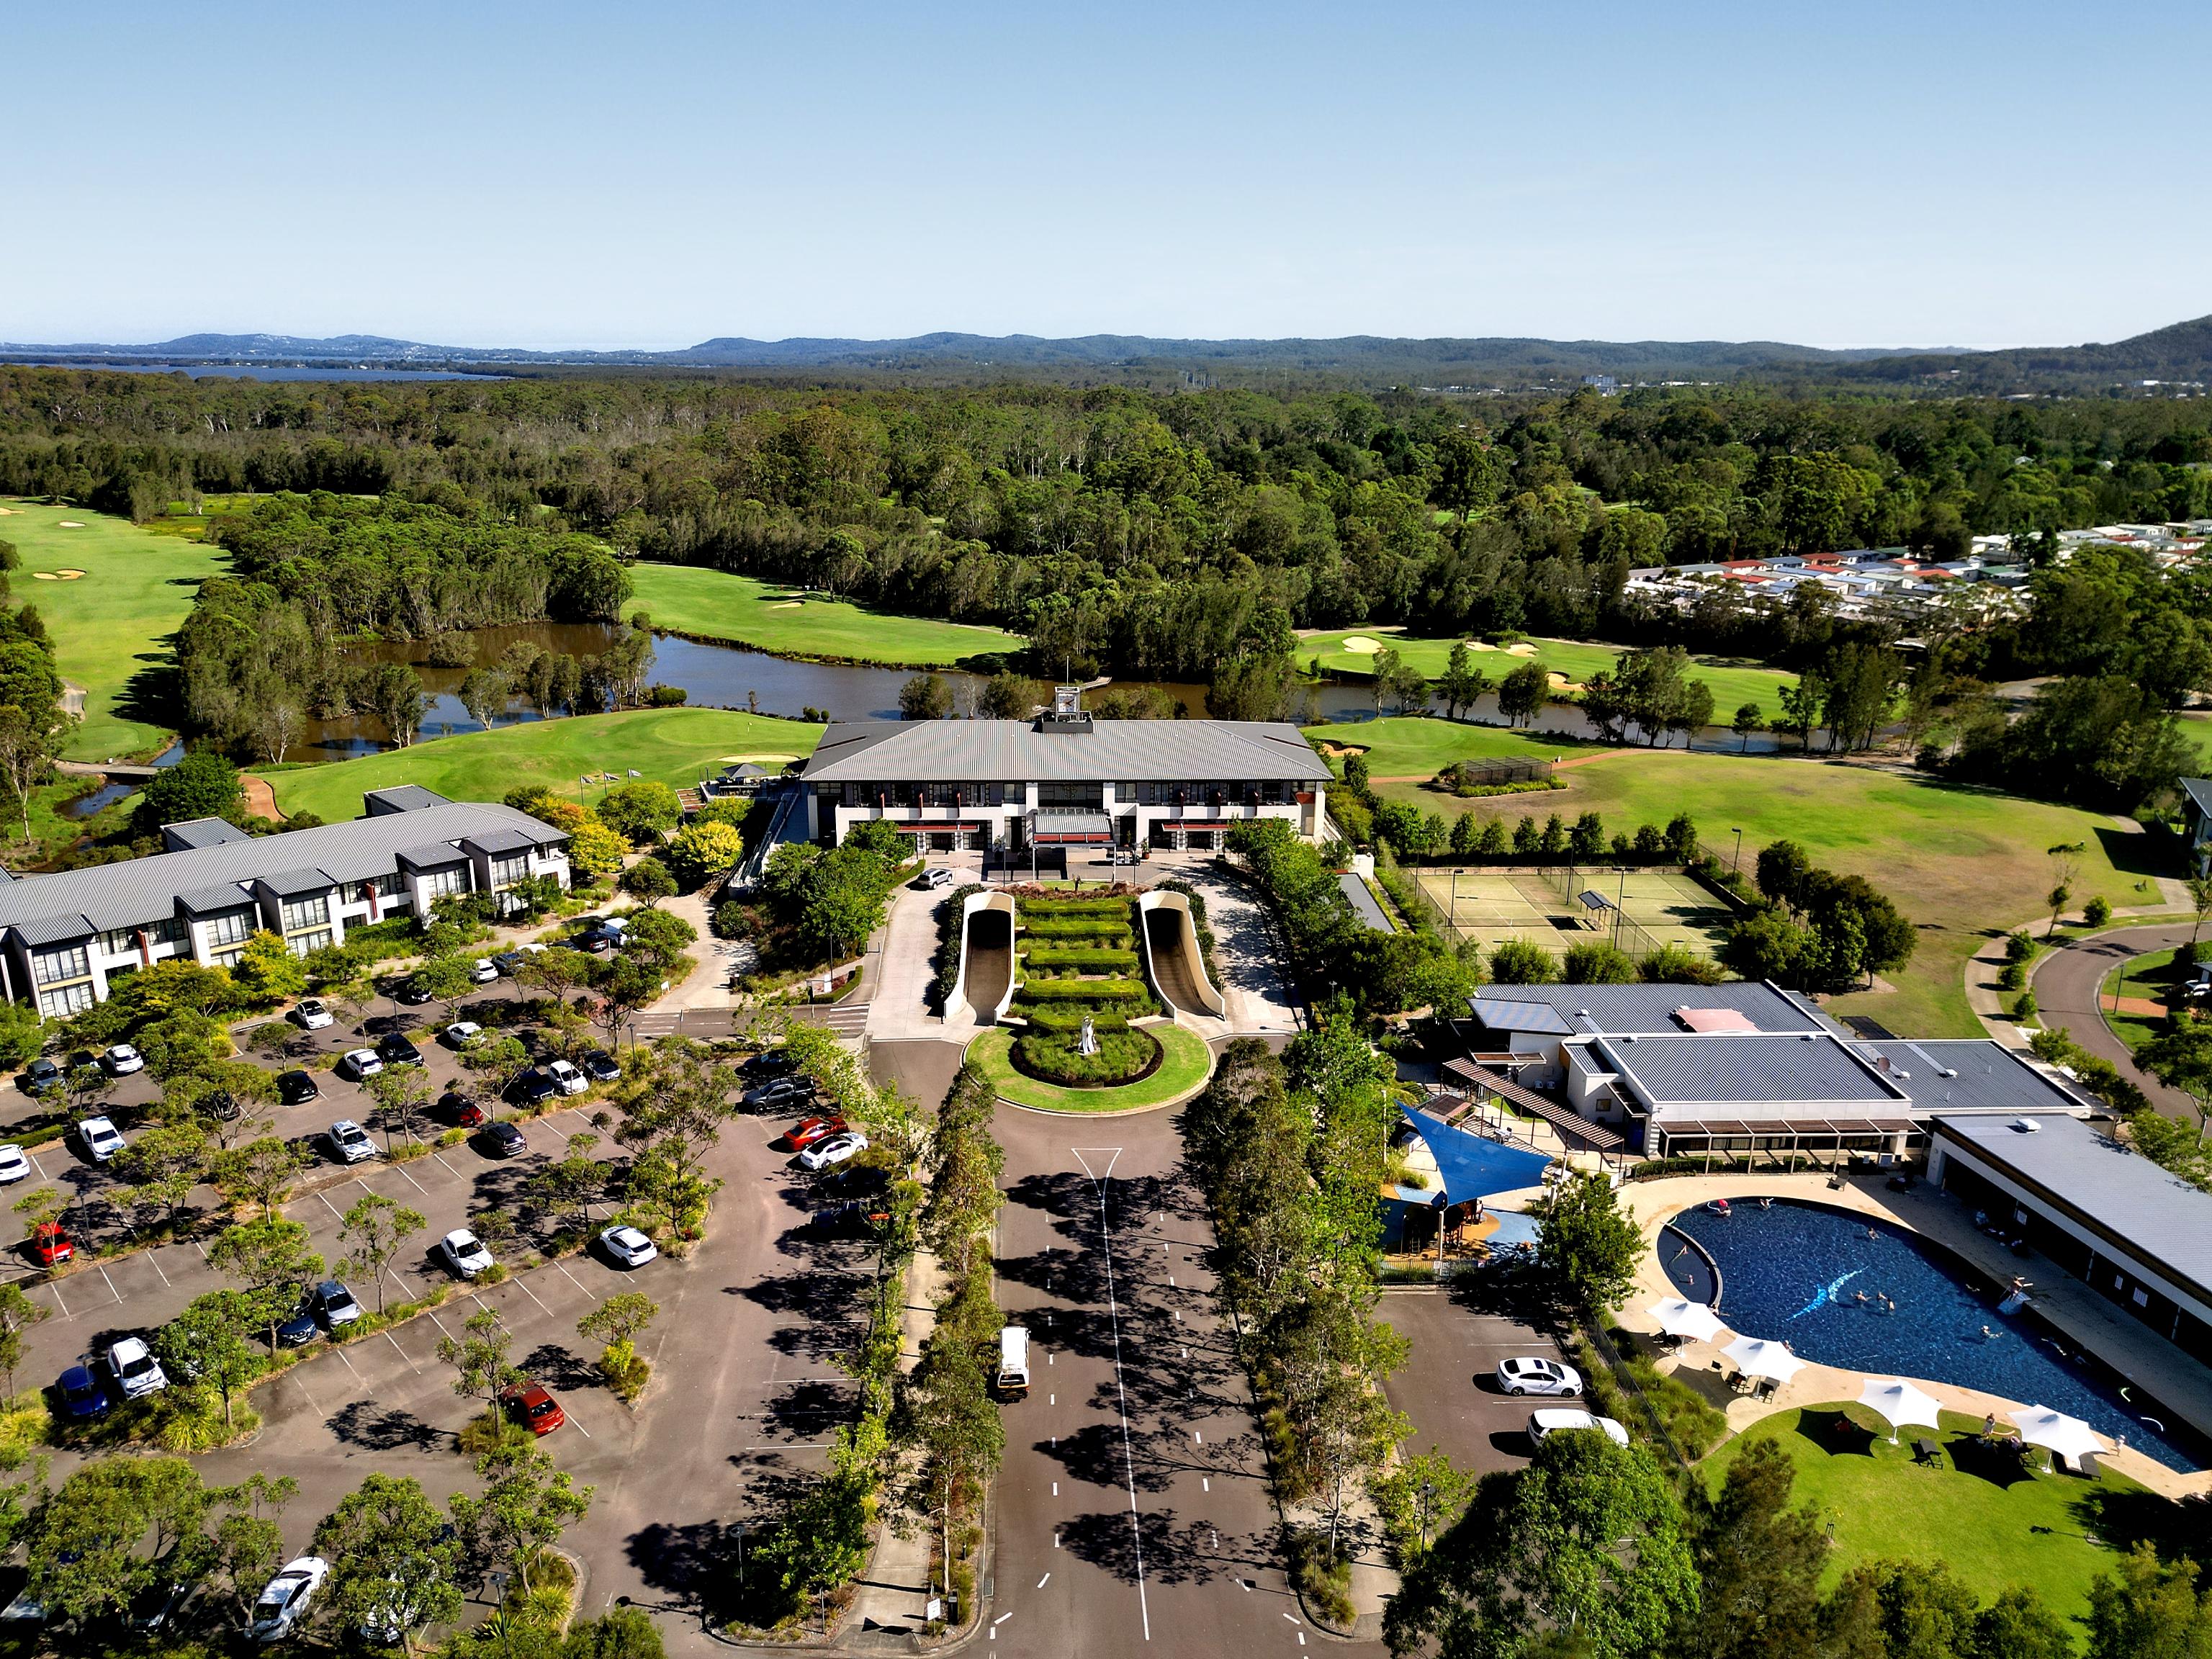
(1538, 1376)
(351, 1142)
(14, 1166)
(360, 1063)
(465, 1253)
(566, 1078)
(937, 878)
(138, 1373)
(313, 1016)
(123, 1059)
(279, 1609)
(464, 1034)
(1543, 1425)
(627, 1246)
(101, 1139)
(483, 970)
(834, 1150)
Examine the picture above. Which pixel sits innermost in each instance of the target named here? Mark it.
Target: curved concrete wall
(974, 904)
(1186, 946)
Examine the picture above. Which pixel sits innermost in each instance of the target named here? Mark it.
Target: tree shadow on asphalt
(1176, 1551)
(556, 1368)
(1510, 1287)
(696, 1565)
(807, 1409)
(364, 1424)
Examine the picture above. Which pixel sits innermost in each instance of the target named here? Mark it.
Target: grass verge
(792, 622)
(1183, 1067)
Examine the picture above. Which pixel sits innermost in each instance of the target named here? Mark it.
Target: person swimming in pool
(1988, 1335)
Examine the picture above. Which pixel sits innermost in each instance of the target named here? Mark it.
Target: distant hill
(2182, 352)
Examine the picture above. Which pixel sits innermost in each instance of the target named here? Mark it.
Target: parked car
(394, 1049)
(504, 1140)
(566, 1078)
(313, 1016)
(935, 877)
(359, 1064)
(281, 1608)
(780, 1095)
(770, 1062)
(801, 1135)
(1538, 1376)
(463, 1034)
(596, 940)
(349, 1142)
(294, 1089)
(325, 1308)
(136, 1372)
(532, 1405)
(1558, 1420)
(51, 1246)
(101, 1139)
(121, 1061)
(458, 1109)
(482, 971)
(843, 1217)
(14, 1166)
(834, 1150)
(600, 1066)
(465, 1253)
(410, 994)
(533, 1088)
(82, 1395)
(222, 1105)
(627, 1246)
(156, 1604)
(41, 1076)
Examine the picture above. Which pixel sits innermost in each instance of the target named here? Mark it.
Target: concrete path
(1248, 955)
(904, 962)
(707, 984)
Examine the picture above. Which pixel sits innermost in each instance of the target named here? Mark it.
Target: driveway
(2066, 982)
(1248, 954)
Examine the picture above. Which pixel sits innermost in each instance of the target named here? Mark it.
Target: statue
(1088, 1043)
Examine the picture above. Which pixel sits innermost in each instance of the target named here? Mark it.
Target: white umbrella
(2070, 1436)
(1693, 1320)
(1755, 1356)
(1899, 1402)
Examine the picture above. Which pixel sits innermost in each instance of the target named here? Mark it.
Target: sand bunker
(72, 524)
(44, 576)
(1522, 649)
(786, 604)
(68, 575)
(9, 512)
(1363, 644)
(1561, 683)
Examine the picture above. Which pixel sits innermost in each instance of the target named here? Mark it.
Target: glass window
(231, 927)
(303, 943)
(69, 961)
(453, 879)
(116, 941)
(70, 1000)
(228, 958)
(170, 930)
(509, 869)
(306, 913)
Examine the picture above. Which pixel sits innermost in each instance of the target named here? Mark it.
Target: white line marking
(1291, 1617)
(1055, 1489)
(1041, 1583)
(35, 1164)
(581, 1430)
(1052, 1399)
(402, 1352)
(1204, 1483)
(295, 1374)
(572, 1279)
(350, 1365)
(411, 1180)
(110, 1283)
(1242, 1586)
(58, 1303)
(155, 1259)
(332, 1207)
(1197, 1438)
(442, 1165)
(439, 1322)
(532, 1295)
(1122, 1390)
(1055, 1539)
(1003, 1617)
(1302, 1638)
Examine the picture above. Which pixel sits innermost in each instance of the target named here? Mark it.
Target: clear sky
(627, 173)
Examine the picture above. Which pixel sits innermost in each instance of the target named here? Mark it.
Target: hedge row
(1083, 959)
(1075, 926)
(1083, 990)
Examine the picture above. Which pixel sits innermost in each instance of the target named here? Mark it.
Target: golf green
(1347, 652)
(792, 622)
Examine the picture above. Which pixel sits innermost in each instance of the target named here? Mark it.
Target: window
(303, 943)
(170, 930)
(119, 941)
(508, 870)
(228, 958)
(69, 961)
(61, 1004)
(1070, 796)
(231, 927)
(306, 913)
(437, 883)
(391, 886)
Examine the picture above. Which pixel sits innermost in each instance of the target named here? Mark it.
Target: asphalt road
(2066, 982)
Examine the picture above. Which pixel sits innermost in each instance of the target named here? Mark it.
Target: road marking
(1198, 1438)
(1055, 1538)
(410, 1180)
(1055, 1489)
(532, 1295)
(58, 1303)
(439, 1322)
(442, 1165)
(35, 1164)
(110, 1283)
(303, 1390)
(350, 1365)
(332, 1207)
(572, 1279)
(1003, 1617)
(1244, 1586)
(1121, 1386)
(1292, 1617)
(1041, 1583)
(155, 1257)
(581, 1430)
(1047, 1359)
(402, 1352)
(1302, 1638)
(1204, 1483)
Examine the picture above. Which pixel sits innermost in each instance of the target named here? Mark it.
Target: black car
(784, 1091)
(533, 1088)
(394, 1049)
(770, 1062)
(325, 1308)
(41, 1076)
(410, 993)
(600, 1066)
(503, 1141)
(222, 1105)
(597, 940)
(297, 1088)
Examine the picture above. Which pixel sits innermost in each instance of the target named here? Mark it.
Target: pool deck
(2178, 1382)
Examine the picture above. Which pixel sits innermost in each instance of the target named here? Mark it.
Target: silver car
(281, 1608)
(1537, 1375)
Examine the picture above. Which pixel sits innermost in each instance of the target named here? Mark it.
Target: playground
(1559, 908)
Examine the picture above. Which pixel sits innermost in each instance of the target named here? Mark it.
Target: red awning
(1192, 824)
(1083, 837)
(932, 827)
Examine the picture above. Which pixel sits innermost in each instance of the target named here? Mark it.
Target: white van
(1013, 1360)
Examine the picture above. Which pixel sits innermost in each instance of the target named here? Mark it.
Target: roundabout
(1184, 1065)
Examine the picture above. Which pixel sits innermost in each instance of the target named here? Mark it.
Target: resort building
(1063, 780)
(1734, 1071)
(64, 936)
(2140, 1235)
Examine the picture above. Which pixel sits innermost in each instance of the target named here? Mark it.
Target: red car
(802, 1135)
(530, 1404)
(51, 1245)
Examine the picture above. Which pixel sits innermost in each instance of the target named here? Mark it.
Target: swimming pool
(1895, 1305)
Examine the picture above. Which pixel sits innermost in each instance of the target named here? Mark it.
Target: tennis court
(1545, 907)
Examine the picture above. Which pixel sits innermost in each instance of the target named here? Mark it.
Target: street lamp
(1428, 1491)
(1736, 859)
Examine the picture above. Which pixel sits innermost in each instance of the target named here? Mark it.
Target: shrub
(2012, 976)
(2018, 947)
(1517, 961)
(1081, 959)
(2023, 1008)
(1051, 1056)
(2096, 913)
(1084, 990)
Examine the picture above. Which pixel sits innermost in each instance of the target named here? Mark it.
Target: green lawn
(112, 624)
(1183, 1068)
(1411, 747)
(676, 745)
(770, 617)
(1993, 1527)
(1962, 863)
(1733, 682)
(2148, 977)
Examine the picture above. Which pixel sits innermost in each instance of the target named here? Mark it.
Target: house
(1062, 780)
(2197, 811)
(64, 938)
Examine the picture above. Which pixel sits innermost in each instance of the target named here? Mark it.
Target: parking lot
(1448, 1384)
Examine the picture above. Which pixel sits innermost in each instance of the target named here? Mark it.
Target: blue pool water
(1794, 1273)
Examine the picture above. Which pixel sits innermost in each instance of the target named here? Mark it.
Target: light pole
(1736, 859)
(945, 1510)
(1428, 1491)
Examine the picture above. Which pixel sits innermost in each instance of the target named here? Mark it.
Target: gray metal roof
(1967, 1074)
(499, 841)
(54, 930)
(1741, 1069)
(402, 797)
(2159, 1215)
(1512, 1014)
(1620, 1008)
(1199, 751)
(135, 892)
(201, 832)
(2199, 790)
(1363, 905)
(292, 883)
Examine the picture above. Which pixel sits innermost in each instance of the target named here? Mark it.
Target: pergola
(1828, 1135)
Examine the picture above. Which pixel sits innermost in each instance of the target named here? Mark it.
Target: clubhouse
(64, 936)
(1063, 780)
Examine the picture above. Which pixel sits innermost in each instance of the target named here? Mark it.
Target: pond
(1851, 1290)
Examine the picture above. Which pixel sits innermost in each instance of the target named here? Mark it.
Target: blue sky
(655, 174)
